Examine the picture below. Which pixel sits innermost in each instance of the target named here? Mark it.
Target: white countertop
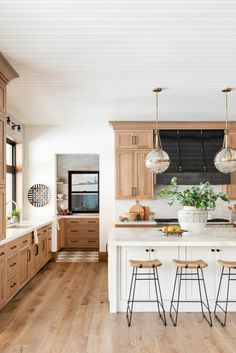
(136, 223)
(30, 225)
(79, 215)
(153, 237)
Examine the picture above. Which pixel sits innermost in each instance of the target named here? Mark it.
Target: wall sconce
(8, 120)
(13, 126)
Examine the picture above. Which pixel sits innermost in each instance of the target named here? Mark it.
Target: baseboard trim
(103, 257)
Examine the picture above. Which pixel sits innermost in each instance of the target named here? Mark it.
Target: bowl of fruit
(172, 230)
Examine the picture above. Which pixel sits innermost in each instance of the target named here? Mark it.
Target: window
(11, 173)
(84, 191)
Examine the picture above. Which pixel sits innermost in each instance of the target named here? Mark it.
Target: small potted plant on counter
(196, 201)
(15, 216)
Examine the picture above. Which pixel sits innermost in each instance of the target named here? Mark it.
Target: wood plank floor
(65, 309)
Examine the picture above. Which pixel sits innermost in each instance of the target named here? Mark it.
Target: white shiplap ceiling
(99, 60)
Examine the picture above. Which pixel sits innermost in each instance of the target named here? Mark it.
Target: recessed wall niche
(71, 162)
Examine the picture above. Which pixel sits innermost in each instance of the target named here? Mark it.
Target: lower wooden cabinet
(20, 260)
(2, 275)
(79, 233)
(2, 212)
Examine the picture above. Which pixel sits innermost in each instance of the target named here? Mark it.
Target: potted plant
(15, 216)
(196, 201)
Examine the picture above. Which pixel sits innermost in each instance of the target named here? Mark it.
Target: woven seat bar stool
(138, 275)
(228, 268)
(182, 274)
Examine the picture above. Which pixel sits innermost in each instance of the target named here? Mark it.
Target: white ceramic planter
(192, 219)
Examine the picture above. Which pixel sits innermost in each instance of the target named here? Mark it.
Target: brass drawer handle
(74, 222)
(92, 241)
(2, 253)
(29, 255)
(13, 285)
(42, 245)
(12, 265)
(13, 247)
(74, 241)
(74, 230)
(91, 221)
(25, 241)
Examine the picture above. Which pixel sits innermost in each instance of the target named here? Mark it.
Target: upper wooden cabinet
(2, 151)
(133, 179)
(134, 139)
(2, 97)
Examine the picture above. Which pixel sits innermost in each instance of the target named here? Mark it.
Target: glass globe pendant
(157, 160)
(225, 160)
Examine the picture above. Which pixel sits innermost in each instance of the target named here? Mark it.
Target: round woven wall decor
(39, 195)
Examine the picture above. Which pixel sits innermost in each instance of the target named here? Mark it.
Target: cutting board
(138, 209)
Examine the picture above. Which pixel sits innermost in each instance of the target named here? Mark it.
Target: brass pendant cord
(157, 143)
(226, 135)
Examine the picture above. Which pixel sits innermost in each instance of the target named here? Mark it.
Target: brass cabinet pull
(133, 142)
(13, 285)
(25, 241)
(36, 249)
(12, 265)
(42, 244)
(91, 221)
(2, 253)
(74, 241)
(136, 140)
(74, 222)
(74, 230)
(92, 241)
(13, 247)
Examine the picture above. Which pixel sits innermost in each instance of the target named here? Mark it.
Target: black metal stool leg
(200, 292)
(178, 297)
(159, 301)
(129, 310)
(206, 297)
(223, 323)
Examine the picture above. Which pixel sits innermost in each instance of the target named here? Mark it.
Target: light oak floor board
(64, 309)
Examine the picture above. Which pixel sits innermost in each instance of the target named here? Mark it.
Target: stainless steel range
(216, 222)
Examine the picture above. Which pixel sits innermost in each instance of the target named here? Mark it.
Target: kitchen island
(149, 243)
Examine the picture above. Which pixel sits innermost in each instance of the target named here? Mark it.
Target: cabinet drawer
(82, 222)
(2, 253)
(81, 232)
(12, 265)
(12, 286)
(12, 247)
(42, 231)
(25, 240)
(82, 243)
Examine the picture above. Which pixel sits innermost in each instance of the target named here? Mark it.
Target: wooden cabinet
(133, 179)
(80, 233)
(134, 139)
(49, 242)
(2, 276)
(2, 97)
(2, 151)
(12, 268)
(2, 212)
(25, 259)
(2, 178)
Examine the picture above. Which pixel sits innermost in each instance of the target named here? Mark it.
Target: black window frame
(70, 173)
(11, 169)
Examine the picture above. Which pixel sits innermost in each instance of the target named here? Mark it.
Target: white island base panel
(149, 243)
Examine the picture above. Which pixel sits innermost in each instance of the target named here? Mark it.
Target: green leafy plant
(15, 213)
(200, 196)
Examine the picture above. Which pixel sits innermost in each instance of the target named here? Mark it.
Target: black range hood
(192, 154)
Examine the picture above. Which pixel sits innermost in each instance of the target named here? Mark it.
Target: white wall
(41, 145)
(161, 208)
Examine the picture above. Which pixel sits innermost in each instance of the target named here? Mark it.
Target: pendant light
(225, 160)
(157, 160)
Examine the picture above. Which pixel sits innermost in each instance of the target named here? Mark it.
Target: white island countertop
(153, 237)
